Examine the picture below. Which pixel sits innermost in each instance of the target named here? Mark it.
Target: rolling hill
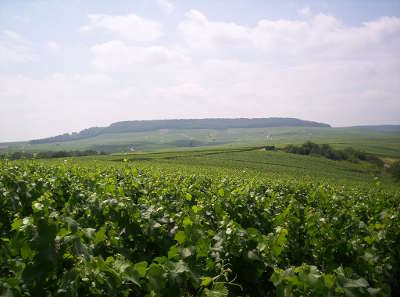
(183, 124)
(128, 136)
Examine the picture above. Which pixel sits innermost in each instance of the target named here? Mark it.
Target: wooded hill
(152, 125)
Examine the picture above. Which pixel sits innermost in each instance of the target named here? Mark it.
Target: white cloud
(14, 48)
(314, 68)
(306, 68)
(130, 27)
(13, 36)
(305, 11)
(47, 104)
(199, 32)
(53, 46)
(118, 56)
(321, 36)
(23, 19)
(166, 6)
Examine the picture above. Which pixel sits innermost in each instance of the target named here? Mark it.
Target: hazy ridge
(152, 125)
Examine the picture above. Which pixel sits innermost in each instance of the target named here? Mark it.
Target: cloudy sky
(69, 65)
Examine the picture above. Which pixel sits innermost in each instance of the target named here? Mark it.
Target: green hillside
(383, 143)
(183, 124)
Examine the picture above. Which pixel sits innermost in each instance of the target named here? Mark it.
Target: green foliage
(49, 154)
(395, 170)
(307, 280)
(254, 162)
(73, 230)
(350, 154)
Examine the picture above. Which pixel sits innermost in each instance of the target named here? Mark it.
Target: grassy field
(383, 143)
(250, 162)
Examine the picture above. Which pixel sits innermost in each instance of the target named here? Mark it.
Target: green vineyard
(85, 229)
(165, 148)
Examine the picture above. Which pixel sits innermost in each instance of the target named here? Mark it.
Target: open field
(255, 161)
(377, 142)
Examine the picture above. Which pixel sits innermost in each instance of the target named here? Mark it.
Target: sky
(69, 65)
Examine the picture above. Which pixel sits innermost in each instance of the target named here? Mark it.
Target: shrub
(269, 148)
(325, 150)
(394, 170)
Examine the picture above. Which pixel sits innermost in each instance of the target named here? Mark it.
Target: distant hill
(153, 125)
(379, 128)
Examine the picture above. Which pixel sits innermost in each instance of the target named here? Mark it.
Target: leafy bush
(270, 148)
(49, 154)
(395, 170)
(325, 150)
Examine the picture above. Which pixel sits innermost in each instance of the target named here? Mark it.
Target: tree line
(348, 154)
(325, 150)
(49, 154)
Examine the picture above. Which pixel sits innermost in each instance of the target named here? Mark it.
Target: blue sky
(69, 65)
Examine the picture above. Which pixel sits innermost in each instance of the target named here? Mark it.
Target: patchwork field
(385, 142)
